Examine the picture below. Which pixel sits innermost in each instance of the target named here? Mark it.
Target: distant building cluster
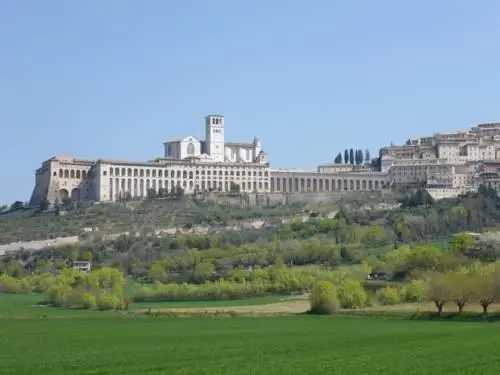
(446, 164)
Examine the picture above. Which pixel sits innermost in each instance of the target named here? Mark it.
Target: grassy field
(286, 345)
(43, 340)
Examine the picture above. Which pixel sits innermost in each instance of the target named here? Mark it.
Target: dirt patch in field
(288, 307)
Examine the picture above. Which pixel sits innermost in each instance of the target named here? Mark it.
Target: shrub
(323, 298)
(389, 296)
(10, 284)
(352, 295)
(108, 301)
(415, 291)
(89, 301)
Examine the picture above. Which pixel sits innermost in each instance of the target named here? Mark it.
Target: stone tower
(214, 137)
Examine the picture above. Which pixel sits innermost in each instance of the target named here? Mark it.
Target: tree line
(352, 156)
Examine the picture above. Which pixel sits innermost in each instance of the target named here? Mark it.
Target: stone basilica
(193, 165)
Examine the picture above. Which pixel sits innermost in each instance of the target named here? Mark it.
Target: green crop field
(112, 344)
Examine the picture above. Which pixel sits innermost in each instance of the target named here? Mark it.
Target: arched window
(190, 149)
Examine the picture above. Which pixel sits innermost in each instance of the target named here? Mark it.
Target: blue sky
(115, 79)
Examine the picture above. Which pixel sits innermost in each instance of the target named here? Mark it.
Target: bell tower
(214, 137)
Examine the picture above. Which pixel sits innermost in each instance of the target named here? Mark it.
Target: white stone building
(193, 165)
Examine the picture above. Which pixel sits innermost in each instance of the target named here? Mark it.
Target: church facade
(190, 164)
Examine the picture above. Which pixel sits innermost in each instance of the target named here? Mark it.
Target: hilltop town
(446, 164)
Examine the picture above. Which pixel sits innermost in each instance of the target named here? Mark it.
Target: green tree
(352, 295)
(234, 188)
(44, 204)
(460, 287)
(338, 158)
(323, 298)
(17, 205)
(346, 156)
(462, 243)
(351, 156)
(437, 291)
(389, 296)
(157, 272)
(414, 291)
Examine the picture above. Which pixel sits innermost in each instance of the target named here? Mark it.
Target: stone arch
(358, 185)
(376, 184)
(148, 173)
(363, 184)
(72, 174)
(129, 172)
(160, 173)
(302, 184)
(309, 186)
(78, 174)
(351, 185)
(154, 173)
(191, 176)
(178, 174)
(370, 184)
(63, 194)
(327, 185)
(84, 175)
(339, 184)
(75, 194)
(61, 173)
(142, 173)
(117, 171)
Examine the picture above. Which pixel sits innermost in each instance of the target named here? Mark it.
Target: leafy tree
(44, 204)
(68, 204)
(463, 243)
(346, 156)
(389, 296)
(437, 291)
(338, 158)
(234, 188)
(152, 194)
(460, 286)
(17, 205)
(414, 291)
(367, 156)
(351, 156)
(323, 298)
(352, 295)
(157, 272)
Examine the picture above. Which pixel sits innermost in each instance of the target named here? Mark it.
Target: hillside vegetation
(407, 246)
(140, 217)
